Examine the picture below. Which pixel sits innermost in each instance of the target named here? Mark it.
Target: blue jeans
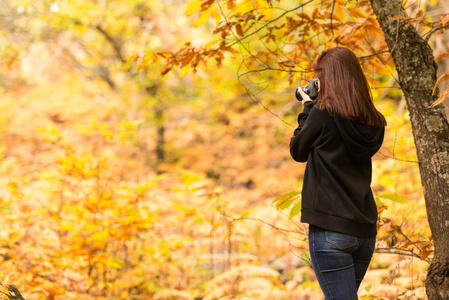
(339, 261)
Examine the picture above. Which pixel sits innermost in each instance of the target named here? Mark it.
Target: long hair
(344, 90)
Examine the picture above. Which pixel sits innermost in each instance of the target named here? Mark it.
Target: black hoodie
(336, 192)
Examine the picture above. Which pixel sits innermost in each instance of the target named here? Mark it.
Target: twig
(400, 252)
(332, 14)
(261, 221)
(272, 21)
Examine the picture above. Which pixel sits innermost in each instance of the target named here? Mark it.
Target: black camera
(311, 89)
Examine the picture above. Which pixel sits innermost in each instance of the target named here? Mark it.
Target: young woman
(338, 133)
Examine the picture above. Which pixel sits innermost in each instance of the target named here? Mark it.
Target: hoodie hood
(360, 139)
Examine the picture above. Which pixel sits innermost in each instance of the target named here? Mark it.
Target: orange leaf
(444, 19)
(441, 99)
(443, 77)
(239, 29)
(424, 254)
(304, 16)
(442, 56)
(339, 11)
(356, 12)
(419, 14)
(395, 18)
(231, 4)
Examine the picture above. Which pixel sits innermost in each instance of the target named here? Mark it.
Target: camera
(311, 89)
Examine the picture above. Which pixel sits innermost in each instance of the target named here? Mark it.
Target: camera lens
(298, 95)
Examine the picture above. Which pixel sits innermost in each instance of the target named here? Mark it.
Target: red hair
(344, 90)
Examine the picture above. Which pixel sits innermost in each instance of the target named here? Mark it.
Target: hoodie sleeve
(308, 131)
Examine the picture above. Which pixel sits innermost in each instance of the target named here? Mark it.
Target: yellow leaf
(281, 75)
(210, 43)
(193, 7)
(202, 19)
(66, 227)
(184, 71)
(264, 9)
(214, 14)
(244, 7)
(262, 4)
(152, 56)
(114, 263)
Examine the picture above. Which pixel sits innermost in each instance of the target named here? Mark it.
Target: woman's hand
(304, 96)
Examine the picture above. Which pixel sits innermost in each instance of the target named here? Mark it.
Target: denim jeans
(339, 261)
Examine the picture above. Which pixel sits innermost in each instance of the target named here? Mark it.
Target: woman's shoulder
(320, 112)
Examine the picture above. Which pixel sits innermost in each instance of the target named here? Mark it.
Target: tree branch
(282, 230)
(400, 252)
(115, 45)
(272, 21)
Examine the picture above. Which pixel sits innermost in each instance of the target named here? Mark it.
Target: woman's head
(344, 89)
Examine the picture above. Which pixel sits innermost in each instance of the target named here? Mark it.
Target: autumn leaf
(356, 12)
(193, 7)
(244, 7)
(285, 200)
(239, 29)
(264, 9)
(231, 4)
(424, 254)
(214, 14)
(440, 100)
(420, 14)
(209, 44)
(442, 56)
(184, 71)
(444, 20)
(392, 197)
(444, 94)
(202, 19)
(304, 16)
(296, 209)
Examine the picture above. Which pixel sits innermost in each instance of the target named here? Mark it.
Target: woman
(338, 133)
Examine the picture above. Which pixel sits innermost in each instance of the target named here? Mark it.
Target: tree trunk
(160, 146)
(417, 72)
(160, 125)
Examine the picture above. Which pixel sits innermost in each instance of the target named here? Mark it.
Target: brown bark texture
(417, 71)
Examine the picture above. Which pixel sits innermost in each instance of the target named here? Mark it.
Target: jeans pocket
(341, 240)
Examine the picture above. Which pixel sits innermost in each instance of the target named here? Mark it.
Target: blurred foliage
(89, 210)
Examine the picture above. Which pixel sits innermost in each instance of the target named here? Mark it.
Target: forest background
(118, 182)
